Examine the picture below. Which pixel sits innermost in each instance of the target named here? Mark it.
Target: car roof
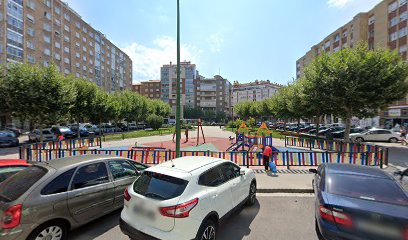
(357, 170)
(189, 164)
(76, 160)
(13, 162)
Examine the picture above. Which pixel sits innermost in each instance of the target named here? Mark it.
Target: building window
(58, 22)
(30, 18)
(402, 32)
(345, 34)
(14, 52)
(393, 36)
(84, 58)
(48, 3)
(84, 68)
(66, 71)
(47, 15)
(31, 58)
(77, 55)
(403, 48)
(57, 56)
(46, 64)
(57, 10)
(91, 62)
(47, 27)
(30, 31)
(91, 53)
(402, 2)
(66, 49)
(394, 21)
(392, 7)
(47, 52)
(78, 65)
(84, 39)
(66, 28)
(57, 45)
(85, 30)
(66, 38)
(91, 44)
(403, 16)
(47, 39)
(84, 48)
(66, 60)
(67, 17)
(77, 44)
(77, 35)
(31, 4)
(30, 45)
(371, 20)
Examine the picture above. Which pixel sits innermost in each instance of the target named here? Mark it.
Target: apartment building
(384, 26)
(253, 91)
(150, 89)
(213, 94)
(48, 31)
(168, 77)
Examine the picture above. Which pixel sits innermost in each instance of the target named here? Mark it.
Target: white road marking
(285, 195)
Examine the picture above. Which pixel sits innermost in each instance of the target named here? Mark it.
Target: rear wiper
(154, 195)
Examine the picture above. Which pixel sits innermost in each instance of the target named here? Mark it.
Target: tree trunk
(347, 120)
(100, 128)
(317, 126)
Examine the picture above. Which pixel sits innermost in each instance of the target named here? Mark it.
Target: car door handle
(215, 196)
(234, 184)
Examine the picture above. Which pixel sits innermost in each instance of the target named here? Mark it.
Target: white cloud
(339, 3)
(215, 42)
(148, 60)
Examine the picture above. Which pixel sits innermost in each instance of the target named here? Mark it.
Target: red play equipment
(199, 128)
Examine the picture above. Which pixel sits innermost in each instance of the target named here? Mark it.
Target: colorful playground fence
(26, 149)
(242, 158)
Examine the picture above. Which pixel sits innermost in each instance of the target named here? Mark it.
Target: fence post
(247, 158)
(310, 142)
(381, 159)
(285, 140)
(376, 154)
(169, 155)
(287, 160)
(100, 142)
(386, 156)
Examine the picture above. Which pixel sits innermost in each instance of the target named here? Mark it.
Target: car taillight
(127, 195)
(180, 210)
(11, 217)
(335, 216)
(405, 233)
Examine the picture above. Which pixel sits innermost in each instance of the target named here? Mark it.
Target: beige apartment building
(42, 32)
(384, 26)
(150, 89)
(213, 94)
(253, 91)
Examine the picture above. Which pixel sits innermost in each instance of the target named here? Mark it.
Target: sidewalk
(285, 183)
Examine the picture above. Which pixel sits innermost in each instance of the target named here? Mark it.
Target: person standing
(403, 131)
(186, 133)
(266, 155)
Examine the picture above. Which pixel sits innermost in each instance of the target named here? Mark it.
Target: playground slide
(236, 146)
(233, 146)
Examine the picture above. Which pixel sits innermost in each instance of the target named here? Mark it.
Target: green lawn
(275, 134)
(138, 134)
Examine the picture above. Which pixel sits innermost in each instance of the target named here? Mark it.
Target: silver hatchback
(48, 199)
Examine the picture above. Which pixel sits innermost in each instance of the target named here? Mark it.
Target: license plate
(143, 211)
(378, 229)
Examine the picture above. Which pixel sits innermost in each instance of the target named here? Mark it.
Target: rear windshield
(6, 172)
(15, 186)
(159, 186)
(374, 189)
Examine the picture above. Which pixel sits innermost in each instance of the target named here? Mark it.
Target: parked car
(313, 131)
(132, 126)
(92, 129)
(185, 198)
(375, 134)
(63, 194)
(107, 128)
(35, 135)
(326, 131)
(65, 131)
(8, 139)
(123, 127)
(14, 129)
(340, 134)
(359, 202)
(9, 167)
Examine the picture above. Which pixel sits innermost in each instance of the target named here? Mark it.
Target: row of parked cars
(336, 131)
(186, 198)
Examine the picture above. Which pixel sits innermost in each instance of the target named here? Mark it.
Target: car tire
(56, 230)
(318, 233)
(207, 231)
(359, 140)
(252, 195)
(393, 140)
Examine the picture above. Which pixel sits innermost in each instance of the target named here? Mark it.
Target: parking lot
(265, 220)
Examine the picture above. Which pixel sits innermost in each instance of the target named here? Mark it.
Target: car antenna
(172, 163)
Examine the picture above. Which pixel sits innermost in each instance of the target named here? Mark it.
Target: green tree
(101, 109)
(359, 82)
(155, 121)
(243, 109)
(159, 108)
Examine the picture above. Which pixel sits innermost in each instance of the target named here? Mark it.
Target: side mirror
(312, 170)
(242, 172)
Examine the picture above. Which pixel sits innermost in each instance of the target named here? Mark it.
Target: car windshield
(367, 188)
(64, 129)
(16, 185)
(47, 132)
(159, 186)
(6, 172)
(7, 134)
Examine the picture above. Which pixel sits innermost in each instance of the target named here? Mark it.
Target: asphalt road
(273, 217)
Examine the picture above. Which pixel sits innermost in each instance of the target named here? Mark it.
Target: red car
(9, 167)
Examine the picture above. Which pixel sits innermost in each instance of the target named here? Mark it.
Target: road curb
(281, 190)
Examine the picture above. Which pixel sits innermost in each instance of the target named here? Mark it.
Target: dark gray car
(48, 199)
(8, 139)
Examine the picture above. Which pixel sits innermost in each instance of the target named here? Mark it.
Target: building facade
(150, 89)
(168, 77)
(42, 32)
(213, 94)
(253, 91)
(385, 27)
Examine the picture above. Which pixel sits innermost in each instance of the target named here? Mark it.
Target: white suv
(185, 199)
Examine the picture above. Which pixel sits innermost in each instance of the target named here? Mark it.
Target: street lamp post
(178, 104)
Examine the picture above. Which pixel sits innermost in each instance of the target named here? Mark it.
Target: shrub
(155, 121)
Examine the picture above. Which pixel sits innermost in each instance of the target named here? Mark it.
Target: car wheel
(207, 231)
(252, 195)
(359, 140)
(52, 230)
(393, 140)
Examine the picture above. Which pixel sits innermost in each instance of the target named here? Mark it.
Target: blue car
(358, 202)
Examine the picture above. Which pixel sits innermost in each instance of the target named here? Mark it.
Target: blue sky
(244, 40)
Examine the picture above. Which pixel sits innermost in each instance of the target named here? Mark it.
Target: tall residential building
(213, 94)
(188, 74)
(49, 31)
(150, 89)
(253, 91)
(384, 26)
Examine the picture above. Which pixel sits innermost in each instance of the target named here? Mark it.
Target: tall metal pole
(178, 130)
